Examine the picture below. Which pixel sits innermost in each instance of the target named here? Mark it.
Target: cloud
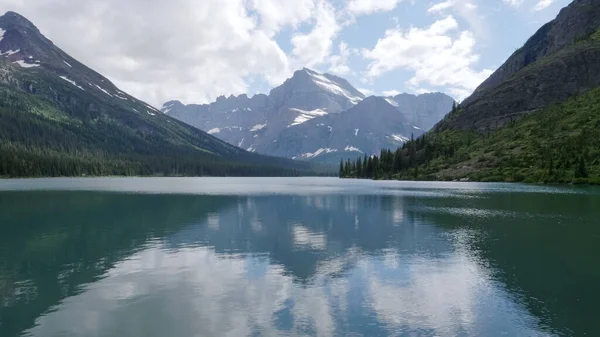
(542, 4)
(362, 7)
(468, 11)
(276, 14)
(314, 48)
(513, 3)
(391, 93)
(439, 7)
(432, 54)
(189, 50)
(338, 63)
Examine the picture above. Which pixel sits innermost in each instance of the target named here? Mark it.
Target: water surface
(296, 257)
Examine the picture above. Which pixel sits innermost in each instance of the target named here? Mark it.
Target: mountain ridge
(536, 119)
(66, 119)
(296, 118)
(509, 89)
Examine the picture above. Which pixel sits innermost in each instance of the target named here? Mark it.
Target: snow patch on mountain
(2, 31)
(392, 102)
(399, 138)
(214, 131)
(72, 82)
(151, 107)
(332, 87)
(102, 89)
(316, 153)
(356, 132)
(166, 108)
(258, 127)
(352, 149)
(10, 52)
(67, 63)
(150, 113)
(305, 116)
(26, 65)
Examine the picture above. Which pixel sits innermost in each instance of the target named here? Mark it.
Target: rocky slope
(537, 119)
(315, 116)
(557, 62)
(368, 127)
(425, 110)
(59, 117)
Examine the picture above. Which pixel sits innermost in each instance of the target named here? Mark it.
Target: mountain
(371, 125)
(556, 63)
(424, 110)
(536, 119)
(59, 117)
(314, 116)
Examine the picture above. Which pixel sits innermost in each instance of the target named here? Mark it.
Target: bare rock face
(559, 61)
(424, 110)
(315, 116)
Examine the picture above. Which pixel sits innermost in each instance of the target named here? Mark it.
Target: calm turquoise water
(296, 257)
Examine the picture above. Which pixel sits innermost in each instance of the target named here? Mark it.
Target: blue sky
(195, 51)
(497, 28)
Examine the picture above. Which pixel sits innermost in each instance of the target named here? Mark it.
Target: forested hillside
(560, 144)
(60, 118)
(536, 119)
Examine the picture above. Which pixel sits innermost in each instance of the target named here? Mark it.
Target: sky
(195, 51)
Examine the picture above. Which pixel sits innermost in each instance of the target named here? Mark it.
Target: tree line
(405, 161)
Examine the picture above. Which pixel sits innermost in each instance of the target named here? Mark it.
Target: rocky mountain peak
(559, 61)
(12, 20)
(170, 105)
(574, 22)
(313, 115)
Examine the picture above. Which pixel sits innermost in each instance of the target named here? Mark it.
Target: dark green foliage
(580, 171)
(79, 134)
(560, 144)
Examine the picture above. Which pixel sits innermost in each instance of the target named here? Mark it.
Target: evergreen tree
(397, 161)
(370, 168)
(580, 171)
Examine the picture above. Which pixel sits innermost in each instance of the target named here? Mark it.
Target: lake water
(296, 257)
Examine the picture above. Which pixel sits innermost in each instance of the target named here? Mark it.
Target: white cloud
(361, 7)
(513, 3)
(338, 63)
(275, 14)
(435, 57)
(314, 47)
(391, 93)
(439, 7)
(542, 4)
(189, 50)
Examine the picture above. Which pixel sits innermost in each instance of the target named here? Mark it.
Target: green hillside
(536, 119)
(38, 137)
(61, 118)
(560, 144)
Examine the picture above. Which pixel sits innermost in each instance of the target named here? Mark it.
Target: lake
(297, 257)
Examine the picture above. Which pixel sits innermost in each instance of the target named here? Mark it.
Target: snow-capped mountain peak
(335, 86)
(312, 116)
